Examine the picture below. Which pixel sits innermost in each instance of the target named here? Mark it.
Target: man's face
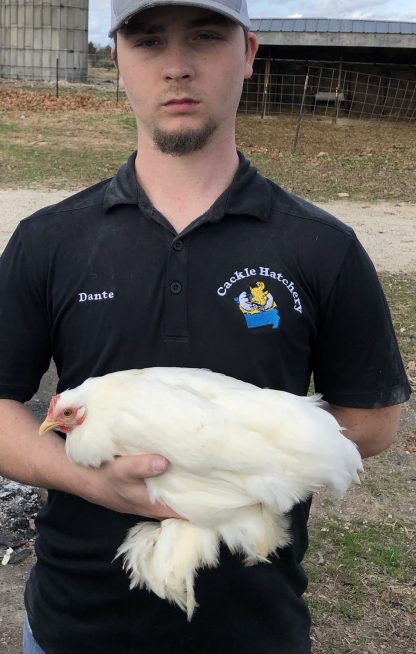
(183, 69)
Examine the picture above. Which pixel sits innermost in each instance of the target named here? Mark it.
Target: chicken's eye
(67, 413)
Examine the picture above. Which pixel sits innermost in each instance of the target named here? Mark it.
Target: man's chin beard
(183, 142)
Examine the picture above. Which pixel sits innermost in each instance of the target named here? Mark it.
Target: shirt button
(176, 287)
(177, 245)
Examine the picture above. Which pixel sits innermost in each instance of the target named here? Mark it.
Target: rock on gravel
(18, 507)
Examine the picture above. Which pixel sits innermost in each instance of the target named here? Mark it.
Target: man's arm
(41, 461)
(373, 430)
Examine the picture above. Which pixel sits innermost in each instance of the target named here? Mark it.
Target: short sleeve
(24, 327)
(356, 359)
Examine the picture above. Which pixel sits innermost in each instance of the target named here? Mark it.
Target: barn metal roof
(331, 25)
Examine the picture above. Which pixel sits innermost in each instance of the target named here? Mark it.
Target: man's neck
(182, 188)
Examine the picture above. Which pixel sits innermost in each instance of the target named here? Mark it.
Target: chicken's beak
(47, 425)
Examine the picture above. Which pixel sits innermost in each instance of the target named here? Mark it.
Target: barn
(353, 68)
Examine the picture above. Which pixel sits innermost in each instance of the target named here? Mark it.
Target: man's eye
(147, 43)
(207, 36)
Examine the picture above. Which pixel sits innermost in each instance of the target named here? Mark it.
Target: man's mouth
(181, 104)
(183, 100)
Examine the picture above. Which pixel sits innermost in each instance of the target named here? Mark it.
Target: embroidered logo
(261, 271)
(258, 307)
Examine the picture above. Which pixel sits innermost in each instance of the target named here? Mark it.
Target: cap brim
(218, 8)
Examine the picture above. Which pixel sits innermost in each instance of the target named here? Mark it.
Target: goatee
(183, 142)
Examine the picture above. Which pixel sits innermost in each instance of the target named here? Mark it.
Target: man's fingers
(125, 486)
(140, 466)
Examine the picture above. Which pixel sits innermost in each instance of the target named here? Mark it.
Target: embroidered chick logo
(258, 307)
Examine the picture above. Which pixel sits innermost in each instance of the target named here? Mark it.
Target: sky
(403, 10)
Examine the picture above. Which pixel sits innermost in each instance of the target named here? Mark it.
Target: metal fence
(331, 92)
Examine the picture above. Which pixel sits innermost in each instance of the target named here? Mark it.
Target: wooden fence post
(305, 88)
(266, 86)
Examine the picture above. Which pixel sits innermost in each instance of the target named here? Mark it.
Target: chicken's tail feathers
(164, 556)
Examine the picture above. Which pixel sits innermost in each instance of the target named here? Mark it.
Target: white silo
(34, 34)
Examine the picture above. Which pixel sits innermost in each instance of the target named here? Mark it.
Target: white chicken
(240, 458)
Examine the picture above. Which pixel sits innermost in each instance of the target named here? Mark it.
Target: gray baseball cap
(122, 10)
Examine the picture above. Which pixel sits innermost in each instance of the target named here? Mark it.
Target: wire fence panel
(331, 92)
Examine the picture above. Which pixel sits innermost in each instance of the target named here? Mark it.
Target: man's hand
(120, 485)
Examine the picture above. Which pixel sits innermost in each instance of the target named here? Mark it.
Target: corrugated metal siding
(331, 25)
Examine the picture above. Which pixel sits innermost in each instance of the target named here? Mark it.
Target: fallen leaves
(411, 373)
(411, 442)
(25, 101)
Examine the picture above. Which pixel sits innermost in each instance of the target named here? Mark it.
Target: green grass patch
(8, 128)
(127, 121)
(363, 178)
(56, 167)
(356, 547)
(52, 151)
(346, 559)
(373, 487)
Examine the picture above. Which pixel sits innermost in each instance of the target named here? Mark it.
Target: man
(187, 257)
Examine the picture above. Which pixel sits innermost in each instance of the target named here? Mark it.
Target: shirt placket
(176, 332)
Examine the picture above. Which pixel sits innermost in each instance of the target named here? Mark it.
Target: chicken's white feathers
(240, 458)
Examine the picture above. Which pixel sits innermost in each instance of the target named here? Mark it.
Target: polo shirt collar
(249, 194)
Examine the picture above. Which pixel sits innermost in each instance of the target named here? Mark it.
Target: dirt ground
(388, 232)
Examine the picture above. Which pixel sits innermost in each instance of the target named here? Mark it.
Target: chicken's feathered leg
(163, 557)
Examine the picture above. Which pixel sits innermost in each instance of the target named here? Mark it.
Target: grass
(106, 74)
(63, 148)
(8, 129)
(60, 167)
(382, 548)
(369, 161)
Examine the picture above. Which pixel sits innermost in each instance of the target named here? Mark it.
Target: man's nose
(178, 65)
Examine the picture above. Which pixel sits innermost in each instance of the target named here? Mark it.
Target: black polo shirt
(264, 287)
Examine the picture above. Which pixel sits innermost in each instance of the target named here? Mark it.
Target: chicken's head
(63, 414)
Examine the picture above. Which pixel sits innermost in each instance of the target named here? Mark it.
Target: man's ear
(252, 47)
(115, 62)
(114, 56)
